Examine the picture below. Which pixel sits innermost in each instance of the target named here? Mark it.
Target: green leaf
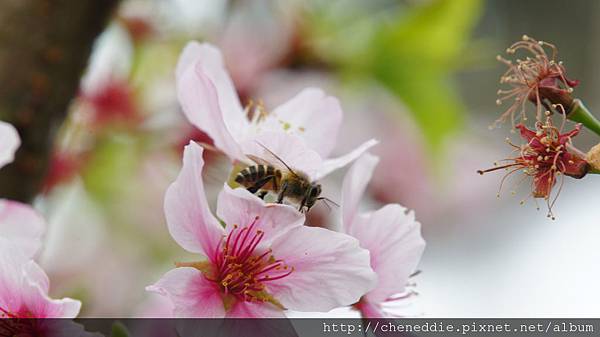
(119, 330)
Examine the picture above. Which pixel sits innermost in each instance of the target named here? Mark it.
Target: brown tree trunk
(44, 48)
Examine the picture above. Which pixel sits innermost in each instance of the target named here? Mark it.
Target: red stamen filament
(14, 324)
(241, 270)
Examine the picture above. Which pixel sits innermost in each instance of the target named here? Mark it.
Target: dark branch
(44, 48)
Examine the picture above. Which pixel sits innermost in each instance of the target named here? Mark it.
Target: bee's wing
(277, 161)
(258, 160)
(262, 161)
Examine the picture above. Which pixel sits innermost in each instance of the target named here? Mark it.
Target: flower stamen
(548, 153)
(538, 78)
(242, 270)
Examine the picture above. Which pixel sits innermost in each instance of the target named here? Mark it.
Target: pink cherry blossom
(391, 235)
(307, 124)
(24, 288)
(262, 261)
(19, 223)
(9, 142)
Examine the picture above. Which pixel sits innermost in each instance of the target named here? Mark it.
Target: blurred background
(419, 75)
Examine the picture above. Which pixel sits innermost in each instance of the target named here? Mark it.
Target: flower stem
(580, 113)
(593, 171)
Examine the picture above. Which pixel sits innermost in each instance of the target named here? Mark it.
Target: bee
(287, 183)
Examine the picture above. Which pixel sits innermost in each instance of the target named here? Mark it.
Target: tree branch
(44, 48)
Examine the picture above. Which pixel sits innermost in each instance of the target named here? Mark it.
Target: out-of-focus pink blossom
(9, 142)
(302, 131)
(21, 225)
(24, 288)
(64, 166)
(263, 261)
(257, 38)
(111, 102)
(391, 234)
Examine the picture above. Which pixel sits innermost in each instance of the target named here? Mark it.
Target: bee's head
(312, 195)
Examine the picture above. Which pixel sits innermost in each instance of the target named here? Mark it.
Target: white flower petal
(331, 165)
(355, 182)
(312, 115)
(9, 143)
(290, 148)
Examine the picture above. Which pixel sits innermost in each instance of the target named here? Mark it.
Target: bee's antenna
(277, 157)
(327, 200)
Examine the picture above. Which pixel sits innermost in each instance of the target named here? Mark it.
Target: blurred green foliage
(414, 57)
(119, 330)
(109, 171)
(412, 50)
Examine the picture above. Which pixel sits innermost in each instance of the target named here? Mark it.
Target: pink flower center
(5, 313)
(17, 324)
(242, 269)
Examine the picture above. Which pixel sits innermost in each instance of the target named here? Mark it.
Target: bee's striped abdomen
(251, 174)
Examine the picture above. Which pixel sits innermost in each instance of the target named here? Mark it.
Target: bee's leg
(262, 194)
(302, 205)
(282, 193)
(259, 184)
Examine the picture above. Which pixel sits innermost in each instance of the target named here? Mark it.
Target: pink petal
(36, 275)
(39, 305)
(189, 219)
(311, 115)
(208, 97)
(9, 143)
(331, 165)
(24, 287)
(191, 293)
(241, 208)
(254, 310)
(22, 225)
(393, 238)
(330, 270)
(370, 310)
(290, 148)
(354, 185)
(11, 275)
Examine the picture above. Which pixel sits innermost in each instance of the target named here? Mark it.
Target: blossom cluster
(259, 258)
(24, 284)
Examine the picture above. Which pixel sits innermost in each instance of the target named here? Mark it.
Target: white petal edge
(312, 115)
(355, 182)
(331, 165)
(290, 148)
(9, 143)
